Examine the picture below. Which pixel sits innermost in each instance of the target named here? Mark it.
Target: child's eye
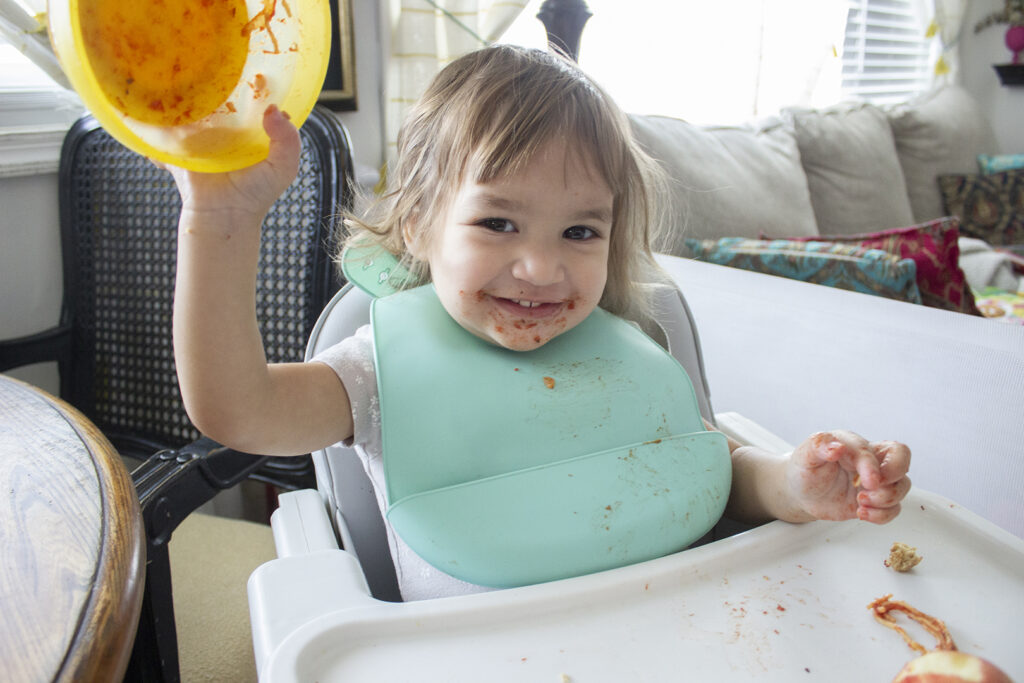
(579, 232)
(498, 224)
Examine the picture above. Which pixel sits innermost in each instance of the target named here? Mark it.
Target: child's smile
(523, 258)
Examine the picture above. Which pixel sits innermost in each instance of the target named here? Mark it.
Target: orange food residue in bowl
(167, 62)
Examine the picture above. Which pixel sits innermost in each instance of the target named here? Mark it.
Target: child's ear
(413, 238)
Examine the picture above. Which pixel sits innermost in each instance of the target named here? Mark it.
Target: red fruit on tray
(943, 666)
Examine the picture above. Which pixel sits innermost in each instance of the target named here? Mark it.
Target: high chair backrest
(341, 479)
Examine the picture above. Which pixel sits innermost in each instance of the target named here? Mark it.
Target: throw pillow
(844, 266)
(1000, 162)
(990, 207)
(934, 249)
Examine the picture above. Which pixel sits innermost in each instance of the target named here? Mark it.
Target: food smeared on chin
(167, 63)
(902, 557)
(944, 664)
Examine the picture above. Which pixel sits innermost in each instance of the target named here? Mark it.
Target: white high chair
(766, 604)
(310, 523)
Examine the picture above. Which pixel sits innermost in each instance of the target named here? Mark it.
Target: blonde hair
(488, 113)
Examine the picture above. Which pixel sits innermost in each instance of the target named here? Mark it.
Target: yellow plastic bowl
(187, 81)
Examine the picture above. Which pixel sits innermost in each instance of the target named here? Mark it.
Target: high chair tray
(782, 602)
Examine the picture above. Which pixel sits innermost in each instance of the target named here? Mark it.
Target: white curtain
(947, 27)
(425, 35)
(23, 24)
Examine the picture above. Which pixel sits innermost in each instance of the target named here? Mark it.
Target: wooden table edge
(102, 644)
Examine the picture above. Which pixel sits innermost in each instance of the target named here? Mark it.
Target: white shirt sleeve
(352, 360)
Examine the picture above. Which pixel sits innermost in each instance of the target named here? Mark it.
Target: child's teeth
(528, 304)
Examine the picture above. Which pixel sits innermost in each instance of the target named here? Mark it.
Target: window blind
(886, 55)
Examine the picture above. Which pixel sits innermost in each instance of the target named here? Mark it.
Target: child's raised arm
(230, 392)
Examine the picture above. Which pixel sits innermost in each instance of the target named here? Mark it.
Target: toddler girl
(520, 196)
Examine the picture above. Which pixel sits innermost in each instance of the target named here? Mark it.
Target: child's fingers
(878, 515)
(884, 496)
(894, 459)
(850, 451)
(284, 137)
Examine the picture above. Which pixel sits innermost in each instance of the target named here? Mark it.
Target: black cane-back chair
(119, 216)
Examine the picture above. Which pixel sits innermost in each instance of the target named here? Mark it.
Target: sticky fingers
(884, 496)
(878, 515)
(893, 458)
(881, 505)
(853, 454)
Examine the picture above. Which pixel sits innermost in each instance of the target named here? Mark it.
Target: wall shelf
(1010, 74)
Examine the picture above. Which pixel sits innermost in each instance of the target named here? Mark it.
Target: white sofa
(852, 169)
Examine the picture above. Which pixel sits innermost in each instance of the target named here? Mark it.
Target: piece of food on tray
(884, 609)
(902, 557)
(944, 664)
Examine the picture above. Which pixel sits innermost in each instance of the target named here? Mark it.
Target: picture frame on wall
(339, 89)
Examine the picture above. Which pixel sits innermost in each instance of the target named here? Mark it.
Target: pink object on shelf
(1015, 41)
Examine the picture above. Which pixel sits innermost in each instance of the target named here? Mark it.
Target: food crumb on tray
(902, 557)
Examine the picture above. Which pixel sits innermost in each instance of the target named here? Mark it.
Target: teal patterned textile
(844, 266)
(1000, 162)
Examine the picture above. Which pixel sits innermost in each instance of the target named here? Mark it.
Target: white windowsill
(31, 151)
(32, 129)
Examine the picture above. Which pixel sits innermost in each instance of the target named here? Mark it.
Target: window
(727, 63)
(35, 113)
(886, 56)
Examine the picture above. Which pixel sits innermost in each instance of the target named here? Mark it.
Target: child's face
(520, 259)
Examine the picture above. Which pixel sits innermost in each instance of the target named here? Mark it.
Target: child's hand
(839, 475)
(251, 190)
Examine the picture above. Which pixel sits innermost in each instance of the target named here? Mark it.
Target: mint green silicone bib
(506, 468)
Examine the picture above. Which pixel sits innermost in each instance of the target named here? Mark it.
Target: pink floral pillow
(933, 248)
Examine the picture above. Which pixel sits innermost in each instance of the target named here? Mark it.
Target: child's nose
(538, 265)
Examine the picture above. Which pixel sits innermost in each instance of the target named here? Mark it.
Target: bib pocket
(571, 517)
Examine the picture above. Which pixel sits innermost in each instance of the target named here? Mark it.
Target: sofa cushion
(934, 248)
(853, 172)
(728, 181)
(990, 207)
(845, 266)
(939, 133)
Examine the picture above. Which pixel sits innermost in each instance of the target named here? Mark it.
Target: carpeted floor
(211, 560)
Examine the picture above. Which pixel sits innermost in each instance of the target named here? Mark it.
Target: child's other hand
(251, 190)
(839, 475)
